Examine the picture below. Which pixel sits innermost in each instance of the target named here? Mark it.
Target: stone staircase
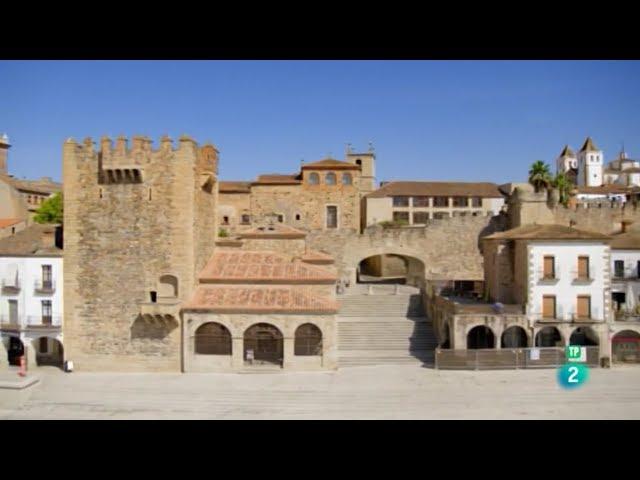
(384, 329)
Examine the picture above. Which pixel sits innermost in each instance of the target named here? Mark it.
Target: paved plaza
(380, 392)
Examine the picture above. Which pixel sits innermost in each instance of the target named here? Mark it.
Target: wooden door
(584, 306)
(549, 306)
(583, 267)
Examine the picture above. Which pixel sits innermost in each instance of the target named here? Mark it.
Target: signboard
(576, 354)
(534, 354)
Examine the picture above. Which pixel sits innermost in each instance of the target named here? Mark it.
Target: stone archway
(514, 337)
(625, 347)
(389, 265)
(585, 336)
(480, 336)
(48, 351)
(263, 344)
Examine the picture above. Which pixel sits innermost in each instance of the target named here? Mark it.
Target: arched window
(168, 286)
(359, 162)
(314, 178)
(308, 340)
(213, 339)
(346, 179)
(330, 178)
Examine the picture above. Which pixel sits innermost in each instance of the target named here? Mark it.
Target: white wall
(379, 210)
(29, 303)
(565, 288)
(630, 259)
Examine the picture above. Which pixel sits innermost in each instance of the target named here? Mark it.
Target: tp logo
(574, 374)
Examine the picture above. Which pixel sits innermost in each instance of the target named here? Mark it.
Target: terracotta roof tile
(7, 222)
(29, 242)
(262, 267)
(331, 163)
(259, 299)
(626, 241)
(277, 179)
(446, 189)
(234, 187)
(604, 189)
(320, 258)
(547, 232)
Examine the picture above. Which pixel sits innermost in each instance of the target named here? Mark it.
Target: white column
(288, 359)
(30, 353)
(4, 361)
(237, 349)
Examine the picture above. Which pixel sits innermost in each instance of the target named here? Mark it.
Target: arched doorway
(212, 339)
(15, 350)
(263, 344)
(480, 337)
(549, 337)
(308, 340)
(49, 351)
(584, 336)
(514, 337)
(390, 268)
(625, 347)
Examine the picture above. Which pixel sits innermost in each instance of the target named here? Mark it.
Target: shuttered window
(549, 267)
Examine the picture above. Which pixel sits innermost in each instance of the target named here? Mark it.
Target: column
(4, 361)
(237, 353)
(288, 359)
(30, 353)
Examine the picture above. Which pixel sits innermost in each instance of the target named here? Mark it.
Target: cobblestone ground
(392, 392)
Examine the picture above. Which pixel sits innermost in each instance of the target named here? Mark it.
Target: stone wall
(234, 205)
(122, 232)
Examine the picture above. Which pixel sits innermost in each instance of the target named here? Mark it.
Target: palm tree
(539, 175)
(564, 186)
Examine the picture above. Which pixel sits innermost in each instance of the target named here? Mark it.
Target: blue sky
(429, 120)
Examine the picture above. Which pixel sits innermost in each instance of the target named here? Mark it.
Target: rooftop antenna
(370, 146)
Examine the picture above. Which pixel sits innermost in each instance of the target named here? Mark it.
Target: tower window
(154, 297)
(297, 216)
(225, 220)
(359, 162)
(149, 194)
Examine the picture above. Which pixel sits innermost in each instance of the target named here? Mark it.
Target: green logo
(576, 353)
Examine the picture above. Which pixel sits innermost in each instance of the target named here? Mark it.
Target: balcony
(45, 287)
(7, 322)
(626, 316)
(168, 306)
(625, 277)
(10, 285)
(39, 322)
(579, 278)
(547, 278)
(568, 317)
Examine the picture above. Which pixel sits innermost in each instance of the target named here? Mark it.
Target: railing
(577, 276)
(508, 358)
(624, 316)
(40, 321)
(11, 284)
(550, 277)
(44, 286)
(9, 322)
(594, 316)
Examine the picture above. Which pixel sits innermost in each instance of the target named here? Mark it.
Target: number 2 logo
(573, 374)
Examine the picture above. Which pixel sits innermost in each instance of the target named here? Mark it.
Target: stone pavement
(377, 392)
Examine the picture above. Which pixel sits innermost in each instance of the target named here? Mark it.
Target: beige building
(415, 203)
(323, 195)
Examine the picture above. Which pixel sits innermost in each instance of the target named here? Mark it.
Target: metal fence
(508, 358)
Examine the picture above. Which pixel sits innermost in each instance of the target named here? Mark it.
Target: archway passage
(212, 339)
(15, 351)
(390, 268)
(625, 347)
(514, 337)
(480, 337)
(49, 351)
(549, 337)
(263, 343)
(308, 340)
(584, 336)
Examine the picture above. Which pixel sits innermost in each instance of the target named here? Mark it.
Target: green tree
(564, 186)
(539, 175)
(222, 233)
(51, 210)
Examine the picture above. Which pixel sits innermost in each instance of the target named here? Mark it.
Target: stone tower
(590, 165)
(4, 151)
(368, 163)
(139, 225)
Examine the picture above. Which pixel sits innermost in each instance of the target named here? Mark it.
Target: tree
(51, 210)
(539, 175)
(564, 186)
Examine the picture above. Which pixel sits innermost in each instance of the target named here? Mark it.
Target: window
(330, 178)
(314, 178)
(476, 201)
(212, 339)
(225, 220)
(584, 306)
(297, 216)
(280, 218)
(46, 276)
(549, 270)
(420, 201)
(346, 179)
(618, 268)
(154, 296)
(246, 219)
(13, 230)
(638, 269)
(420, 217)
(549, 306)
(460, 201)
(359, 162)
(400, 201)
(441, 201)
(13, 312)
(332, 216)
(401, 217)
(308, 340)
(46, 312)
(168, 286)
(583, 267)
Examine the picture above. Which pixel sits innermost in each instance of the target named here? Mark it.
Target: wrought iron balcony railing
(10, 284)
(44, 286)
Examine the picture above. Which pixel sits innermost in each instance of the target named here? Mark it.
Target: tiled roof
(331, 163)
(260, 299)
(589, 146)
(7, 222)
(567, 152)
(277, 179)
(44, 185)
(277, 230)
(29, 242)
(234, 187)
(626, 241)
(604, 189)
(546, 232)
(320, 258)
(445, 189)
(261, 267)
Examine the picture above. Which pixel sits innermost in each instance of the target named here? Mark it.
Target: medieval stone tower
(367, 161)
(139, 225)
